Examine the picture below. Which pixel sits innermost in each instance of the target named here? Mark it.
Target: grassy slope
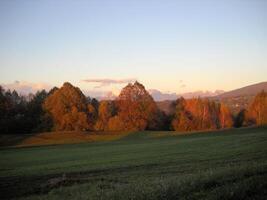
(144, 165)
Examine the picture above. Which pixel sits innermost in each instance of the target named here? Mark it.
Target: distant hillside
(240, 98)
(236, 99)
(201, 93)
(250, 90)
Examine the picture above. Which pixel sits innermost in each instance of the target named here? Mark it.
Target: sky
(170, 45)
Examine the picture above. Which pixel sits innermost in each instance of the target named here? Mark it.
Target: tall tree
(106, 110)
(68, 108)
(258, 109)
(226, 119)
(242, 119)
(13, 109)
(200, 114)
(136, 108)
(39, 119)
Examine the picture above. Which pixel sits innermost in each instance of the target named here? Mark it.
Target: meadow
(226, 164)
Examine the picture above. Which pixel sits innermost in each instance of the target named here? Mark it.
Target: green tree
(39, 119)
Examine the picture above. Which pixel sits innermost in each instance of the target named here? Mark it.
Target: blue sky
(175, 46)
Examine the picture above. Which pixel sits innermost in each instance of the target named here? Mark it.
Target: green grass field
(230, 164)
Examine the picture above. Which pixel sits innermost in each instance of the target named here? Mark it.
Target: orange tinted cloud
(106, 82)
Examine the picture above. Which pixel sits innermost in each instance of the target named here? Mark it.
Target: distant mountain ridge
(250, 90)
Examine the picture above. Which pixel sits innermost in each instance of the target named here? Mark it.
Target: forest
(67, 108)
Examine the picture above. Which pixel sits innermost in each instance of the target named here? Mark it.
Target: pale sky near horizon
(169, 45)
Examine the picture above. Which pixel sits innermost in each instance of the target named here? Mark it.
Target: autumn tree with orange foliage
(257, 112)
(136, 110)
(106, 110)
(92, 115)
(74, 120)
(115, 124)
(200, 114)
(225, 116)
(68, 108)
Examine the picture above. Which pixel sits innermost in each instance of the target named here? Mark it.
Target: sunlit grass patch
(70, 137)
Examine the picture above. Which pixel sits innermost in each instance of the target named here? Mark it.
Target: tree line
(67, 108)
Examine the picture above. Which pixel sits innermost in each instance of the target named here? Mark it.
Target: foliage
(67, 106)
(255, 114)
(106, 111)
(92, 112)
(92, 115)
(242, 119)
(225, 117)
(257, 111)
(136, 108)
(19, 115)
(40, 119)
(200, 114)
(116, 124)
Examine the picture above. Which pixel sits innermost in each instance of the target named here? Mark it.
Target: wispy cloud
(106, 82)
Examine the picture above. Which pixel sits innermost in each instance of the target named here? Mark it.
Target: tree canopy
(257, 111)
(67, 107)
(136, 109)
(200, 114)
